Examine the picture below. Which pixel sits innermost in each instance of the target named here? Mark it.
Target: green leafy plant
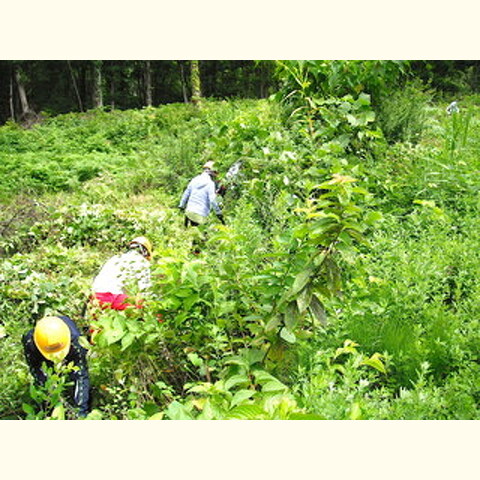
(403, 114)
(48, 399)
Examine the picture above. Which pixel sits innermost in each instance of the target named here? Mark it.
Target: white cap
(209, 165)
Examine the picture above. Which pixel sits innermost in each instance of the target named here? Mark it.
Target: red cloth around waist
(114, 301)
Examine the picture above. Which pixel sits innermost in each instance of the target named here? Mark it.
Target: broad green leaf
(95, 415)
(246, 412)
(303, 301)
(254, 355)
(28, 409)
(191, 300)
(58, 412)
(241, 396)
(112, 336)
(150, 408)
(349, 346)
(273, 323)
(369, 117)
(281, 405)
(362, 191)
(157, 416)
(3, 332)
(274, 386)
(375, 362)
(199, 403)
(189, 273)
(317, 311)
(352, 120)
(291, 316)
(226, 307)
(119, 323)
(208, 413)
(204, 388)
(319, 258)
(355, 412)
(84, 342)
(127, 340)
(425, 203)
(357, 236)
(237, 360)
(363, 99)
(177, 411)
(236, 380)
(323, 227)
(333, 274)
(184, 292)
(276, 353)
(372, 217)
(195, 359)
(300, 281)
(151, 338)
(261, 376)
(287, 335)
(324, 218)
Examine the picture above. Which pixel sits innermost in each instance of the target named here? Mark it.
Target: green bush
(403, 114)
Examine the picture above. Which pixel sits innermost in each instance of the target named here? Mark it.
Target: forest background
(55, 86)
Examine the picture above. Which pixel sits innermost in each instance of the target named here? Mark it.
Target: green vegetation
(343, 285)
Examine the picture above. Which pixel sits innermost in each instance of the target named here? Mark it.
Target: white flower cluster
(87, 210)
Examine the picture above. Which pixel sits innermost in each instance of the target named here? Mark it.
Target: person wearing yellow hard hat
(56, 339)
(200, 197)
(124, 275)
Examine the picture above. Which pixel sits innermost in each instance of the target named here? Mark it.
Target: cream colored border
(267, 29)
(231, 450)
(251, 29)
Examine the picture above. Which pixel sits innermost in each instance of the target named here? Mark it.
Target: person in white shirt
(124, 275)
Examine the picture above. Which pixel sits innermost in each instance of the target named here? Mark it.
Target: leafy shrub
(403, 114)
(337, 78)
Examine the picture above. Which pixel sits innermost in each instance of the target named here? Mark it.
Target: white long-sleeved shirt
(123, 271)
(199, 196)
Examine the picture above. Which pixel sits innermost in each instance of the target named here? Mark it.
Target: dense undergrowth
(343, 286)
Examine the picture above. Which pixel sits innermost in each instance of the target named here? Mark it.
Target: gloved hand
(220, 217)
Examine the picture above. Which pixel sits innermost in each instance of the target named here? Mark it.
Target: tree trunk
(22, 94)
(97, 84)
(195, 82)
(148, 84)
(216, 66)
(262, 80)
(10, 98)
(112, 92)
(184, 82)
(75, 86)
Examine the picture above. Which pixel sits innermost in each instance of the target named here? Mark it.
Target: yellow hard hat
(52, 337)
(144, 242)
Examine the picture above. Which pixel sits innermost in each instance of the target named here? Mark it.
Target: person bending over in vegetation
(56, 339)
(199, 197)
(122, 274)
